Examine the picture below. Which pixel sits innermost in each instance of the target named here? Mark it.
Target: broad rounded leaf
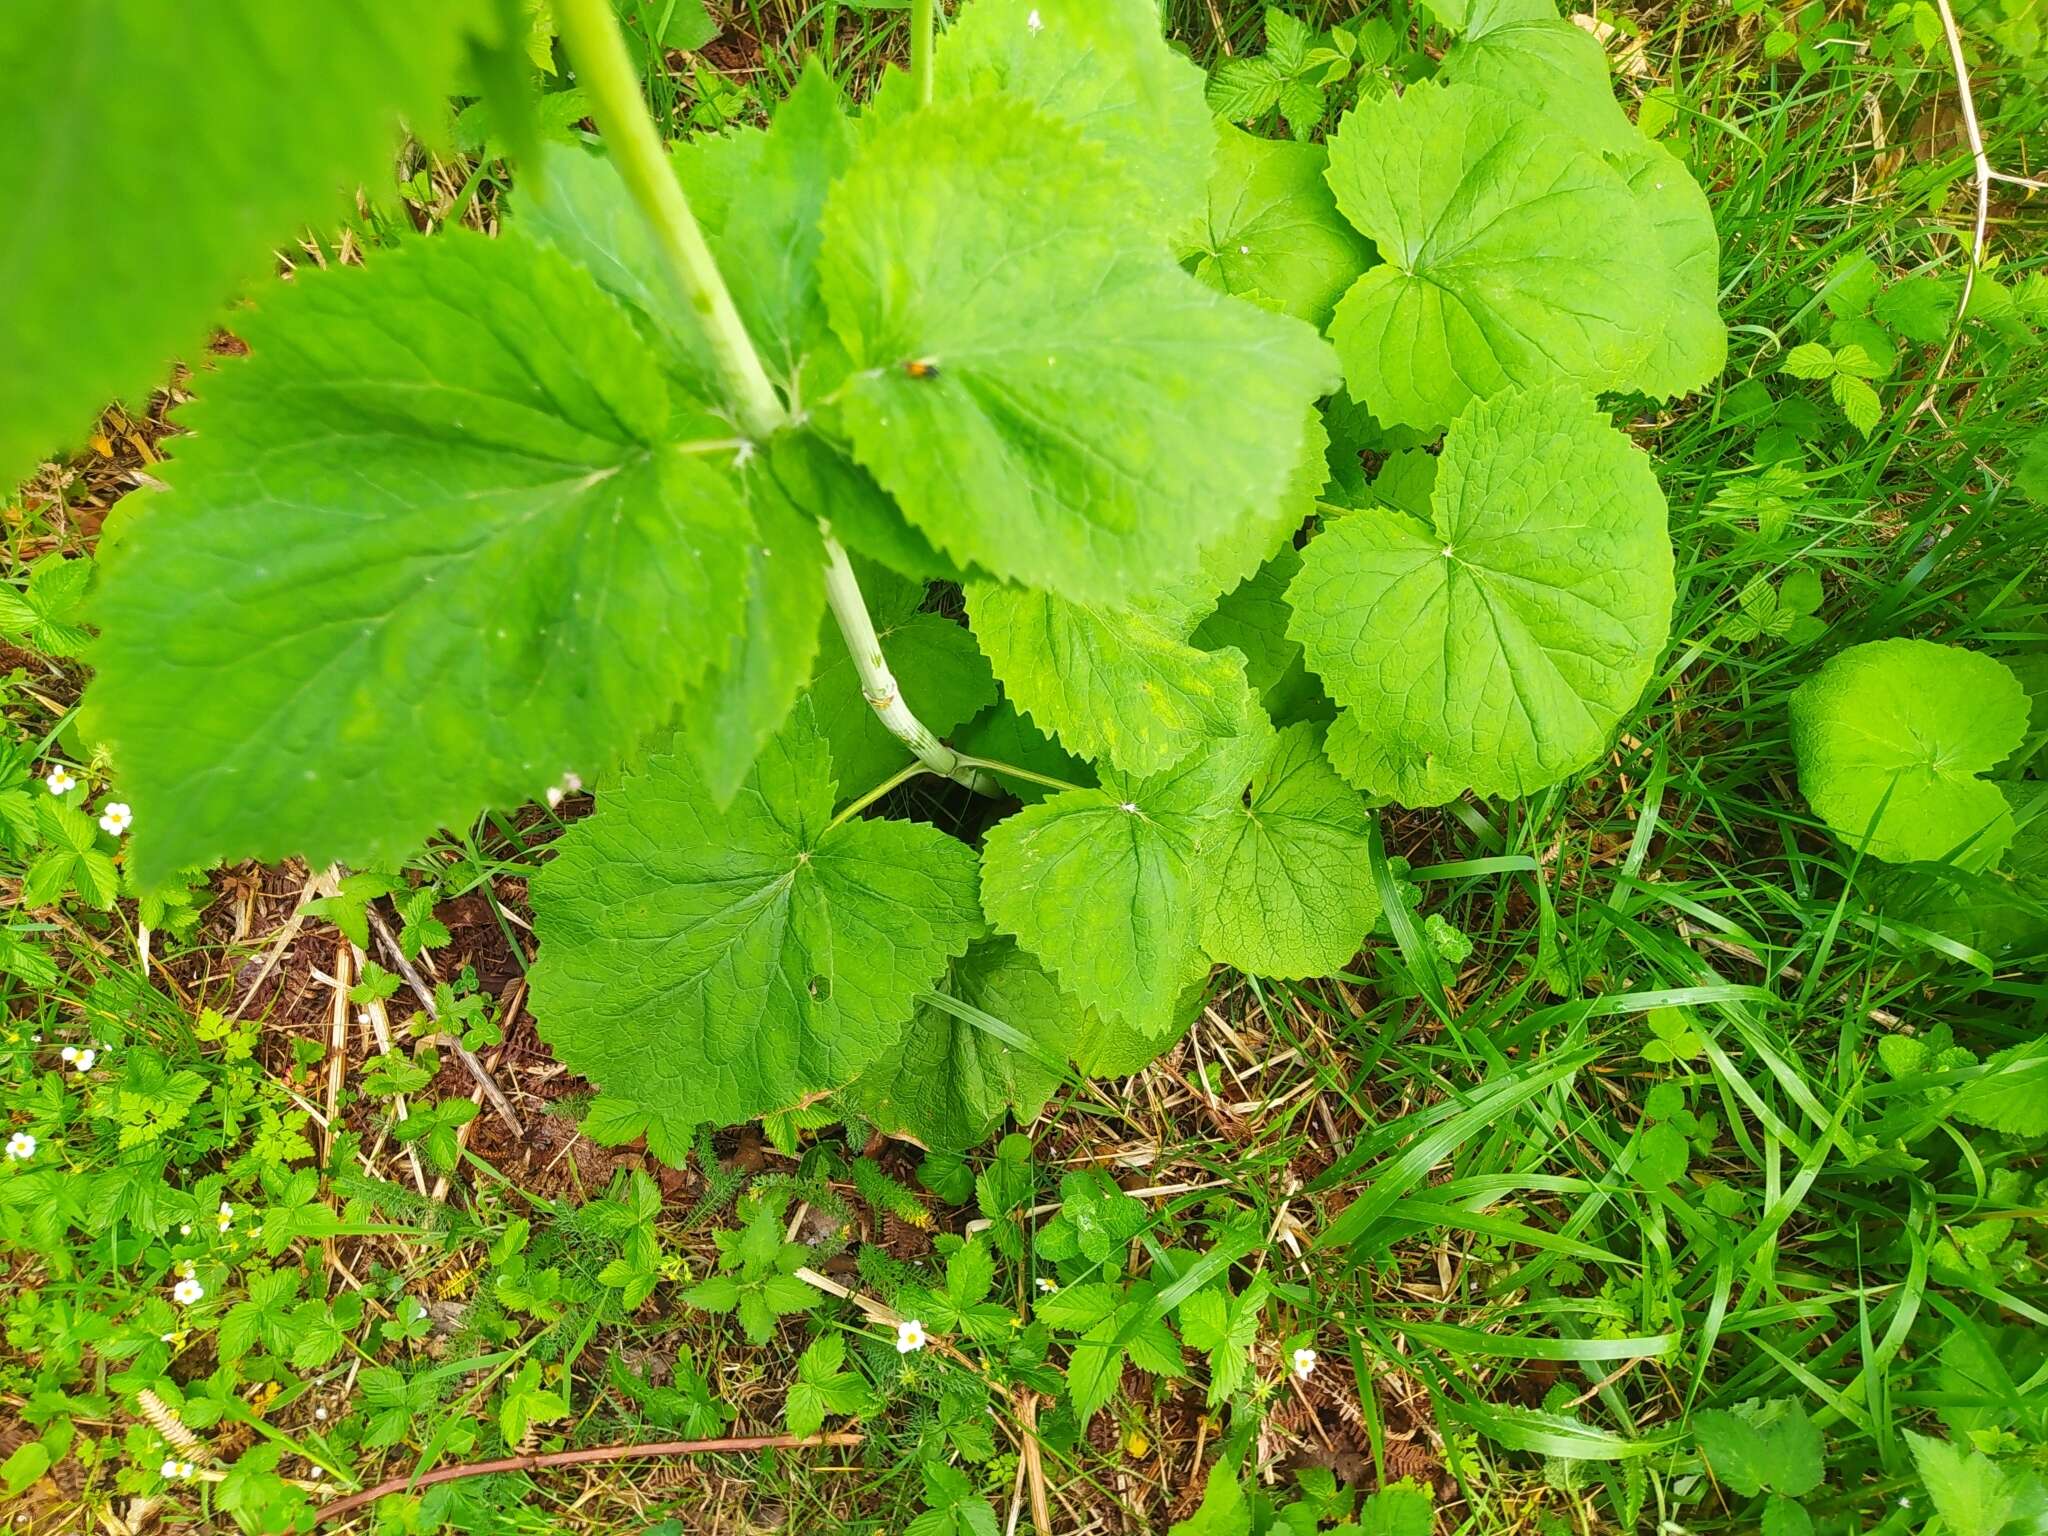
(1290, 896)
(1102, 66)
(1273, 233)
(1123, 865)
(405, 572)
(1496, 647)
(708, 966)
(1560, 72)
(1043, 391)
(1512, 255)
(150, 160)
(1253, 620)
(1910, 725)
(950, 1081)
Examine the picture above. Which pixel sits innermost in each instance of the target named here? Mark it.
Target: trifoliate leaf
(1286, 896)
(1104, 67)
(709, 965)
(405, 572)
(118, 255)
(1497, 647)
(950, 1080)
(1910, 725)
(1273, 233)
(1513, 255)
(1125, 865)
(945, 680)
(46, 612)
(1121, 684)
(1041, 389)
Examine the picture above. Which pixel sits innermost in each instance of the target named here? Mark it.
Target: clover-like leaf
(1104, 67)
(408, 570)
(951, 1079)
(707, 965)
(1286, 897)
(1512, 255)
(1273, 233)
(1911, 726)
(1496, 647)
(1125, 865)
(277, 110)
(1045, 393)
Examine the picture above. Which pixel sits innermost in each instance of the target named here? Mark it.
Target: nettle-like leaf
(1045, 393)
(409, 568)
(1125, 865)
(1910, 726)
(1513, 255)
(1273, 233)
(952, 1078)
(276, 110)
(1496, 647)
(1102, 66)
(1287, 896)
(702, 965)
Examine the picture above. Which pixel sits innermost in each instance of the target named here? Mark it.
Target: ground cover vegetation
(1255, 769)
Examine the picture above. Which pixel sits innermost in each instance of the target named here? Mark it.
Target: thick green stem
(590, 28)
(878, 684)
(922, 28)
(591, 31)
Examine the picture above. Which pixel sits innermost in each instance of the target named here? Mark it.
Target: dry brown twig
(595, 1453)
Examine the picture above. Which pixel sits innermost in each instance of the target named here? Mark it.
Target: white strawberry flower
(1304, 1363)
(84, 1059)
(909, 1336)
(61, 780)
(21, 1147)
(68, 1054)
(227, 1215)
(187, 1291)
(116, 818)
(1047, 1284)
(175, 1469)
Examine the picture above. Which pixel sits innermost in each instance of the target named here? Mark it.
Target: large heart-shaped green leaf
(1046, 394)
(1289, 896)
(1911, 725)
(1496, 646)
(1512, 255)
(407, 570)
(706, 965)
(1106, 886)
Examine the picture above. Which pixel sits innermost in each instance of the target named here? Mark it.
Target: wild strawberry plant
(680, 486)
